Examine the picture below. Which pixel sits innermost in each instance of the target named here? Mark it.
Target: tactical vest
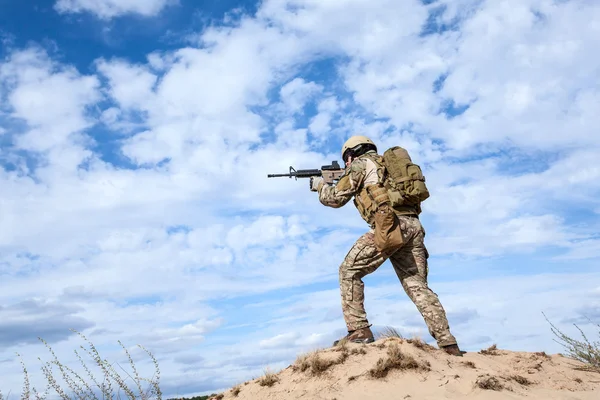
(400, 184)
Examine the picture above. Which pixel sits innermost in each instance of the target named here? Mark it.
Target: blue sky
(136, 137)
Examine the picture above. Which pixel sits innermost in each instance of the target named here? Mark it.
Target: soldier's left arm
(338, 195)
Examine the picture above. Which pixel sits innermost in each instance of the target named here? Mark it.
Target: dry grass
(487, 382)
(420, 343)
(67, 383)
(342, 345)
(315, 364)
(469, 364)
(342, 342)
(581, 350)
(236, 390)
(543, 355)
(490, 351)
(360, 350)
(521, 380)
(396, 359)
(389, 332)
(268, 379)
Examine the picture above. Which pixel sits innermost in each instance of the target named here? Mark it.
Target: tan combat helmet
(355, 141)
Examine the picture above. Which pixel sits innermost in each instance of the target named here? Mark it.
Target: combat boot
(453, 350)
(363, 335)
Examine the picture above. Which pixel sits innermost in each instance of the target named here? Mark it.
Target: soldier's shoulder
(358, 165)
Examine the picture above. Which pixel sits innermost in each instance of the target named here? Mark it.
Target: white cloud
(172, 254)
(107, 9)
(296, 93)
(132, 85)
(35, 80)
(320, 124)
(279, 341)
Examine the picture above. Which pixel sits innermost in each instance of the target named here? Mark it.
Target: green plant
(74, 386)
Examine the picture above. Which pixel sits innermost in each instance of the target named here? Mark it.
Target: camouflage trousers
(410, 264)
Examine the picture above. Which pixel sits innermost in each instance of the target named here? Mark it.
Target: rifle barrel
(301, 173)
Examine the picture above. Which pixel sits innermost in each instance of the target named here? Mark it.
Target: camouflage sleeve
(337, 195)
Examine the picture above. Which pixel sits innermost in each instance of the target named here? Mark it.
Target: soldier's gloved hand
(315, 181)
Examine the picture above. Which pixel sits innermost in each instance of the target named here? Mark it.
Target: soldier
(365, 168)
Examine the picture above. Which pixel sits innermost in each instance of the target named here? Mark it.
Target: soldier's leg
(410, 264)
(362, 259)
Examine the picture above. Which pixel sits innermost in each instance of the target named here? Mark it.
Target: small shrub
(316, 364)
(521, 380)
(537, 367)
(396, 360)
(342, 345)
(469, 364)
(420, 344)
(487, 382)
(109, 385)
(342, 342)
(542, 354)
(268, 379)
(360, 350)
(581, 350)
(389, 332)
(342, 357)
(236, 390)
(490, 351)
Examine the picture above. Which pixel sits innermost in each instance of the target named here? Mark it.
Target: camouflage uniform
(409, 262)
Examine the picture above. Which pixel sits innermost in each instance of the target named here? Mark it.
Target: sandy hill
(395, 368)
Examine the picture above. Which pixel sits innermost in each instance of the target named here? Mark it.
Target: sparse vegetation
(420, 343)
(521, 380)
(490, 351)
(469, 364)
(487, 382)
(396, 359)
(542, 354)
(360, 350)
(236, 390)
(581, 350)
(268, 379)
(389, 332)
(342, 345)
(316, 364)
(67, 383)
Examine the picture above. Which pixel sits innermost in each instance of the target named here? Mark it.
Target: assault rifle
(330, 173)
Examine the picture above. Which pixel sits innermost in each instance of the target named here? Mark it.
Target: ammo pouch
(388, 236)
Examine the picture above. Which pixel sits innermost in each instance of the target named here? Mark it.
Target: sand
(395, 368)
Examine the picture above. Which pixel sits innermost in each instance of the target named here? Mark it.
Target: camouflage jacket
(364, 171)
(361, 173)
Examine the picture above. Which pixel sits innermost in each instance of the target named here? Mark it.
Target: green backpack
(405, 180)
